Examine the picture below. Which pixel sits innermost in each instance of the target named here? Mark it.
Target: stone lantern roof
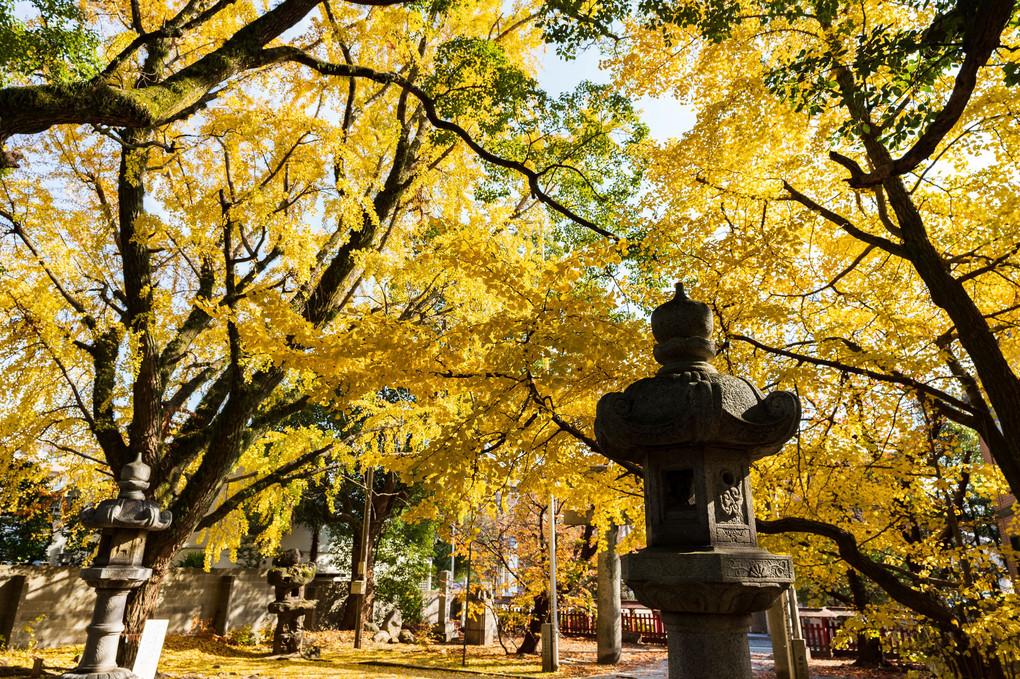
(688, 401)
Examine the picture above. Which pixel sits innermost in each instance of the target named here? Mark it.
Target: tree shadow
(215, 646)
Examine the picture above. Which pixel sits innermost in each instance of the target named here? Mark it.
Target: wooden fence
(819, 635)
(644, 622)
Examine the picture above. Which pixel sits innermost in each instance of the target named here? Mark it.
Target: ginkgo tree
(890, 133)
(242, 211)
(846, 198)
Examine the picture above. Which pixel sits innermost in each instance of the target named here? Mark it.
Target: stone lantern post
(117, 569)
(696, 432)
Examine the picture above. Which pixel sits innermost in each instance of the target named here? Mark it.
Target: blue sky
(666, 117)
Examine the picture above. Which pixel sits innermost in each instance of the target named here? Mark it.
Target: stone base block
(707, 646)
(445, 632)
(717, 581)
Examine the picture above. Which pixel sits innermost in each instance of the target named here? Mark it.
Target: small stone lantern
(288, 579)
(117, 569)
(696, 432)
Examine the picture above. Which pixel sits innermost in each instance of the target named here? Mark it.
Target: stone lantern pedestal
(695, 432)
(117, 569)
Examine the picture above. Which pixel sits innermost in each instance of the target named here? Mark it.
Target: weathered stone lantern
(288, 579)
(117, 569)
(696, 432)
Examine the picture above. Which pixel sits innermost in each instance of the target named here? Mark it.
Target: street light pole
(550, 631)
(359, 587)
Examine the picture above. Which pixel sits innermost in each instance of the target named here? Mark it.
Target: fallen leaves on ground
(210, 657)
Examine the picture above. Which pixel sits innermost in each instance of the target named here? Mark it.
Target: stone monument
(117, 568)
(696, 432)
(608, 624)
(445, 628)
(480, 623)
(289, 578)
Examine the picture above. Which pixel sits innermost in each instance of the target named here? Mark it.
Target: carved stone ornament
(136, 514)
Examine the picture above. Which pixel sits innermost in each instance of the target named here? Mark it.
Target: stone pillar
(445, 628)
(799, 652)
(695, 433)
(707, 647)
(289, 578)
(780, 636)
(550, 648)
(480, 623)
(608, 625)
(117, 569)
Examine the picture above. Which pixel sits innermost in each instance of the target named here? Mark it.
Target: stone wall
(51, 605)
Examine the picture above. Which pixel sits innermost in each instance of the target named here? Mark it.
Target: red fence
(577, 624)
(817, 633)
(819, 636)
(647, 623)
(644, 622)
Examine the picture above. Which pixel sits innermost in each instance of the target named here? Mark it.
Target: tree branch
(351, 71)
(921, 602)
(882, 377)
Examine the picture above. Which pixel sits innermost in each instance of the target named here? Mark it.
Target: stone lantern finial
(683, 330)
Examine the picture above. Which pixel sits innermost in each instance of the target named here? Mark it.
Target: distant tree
(26, 524)
(403, 562)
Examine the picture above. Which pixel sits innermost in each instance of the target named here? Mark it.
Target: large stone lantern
(696, 432)
(117, 569)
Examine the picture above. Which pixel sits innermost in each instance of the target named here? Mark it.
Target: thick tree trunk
(533, 634)
(313, 551)
(142, 601)
(971, 663)
(349, 619)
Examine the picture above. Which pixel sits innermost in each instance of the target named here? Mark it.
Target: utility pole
(359, 587)
(550, 631)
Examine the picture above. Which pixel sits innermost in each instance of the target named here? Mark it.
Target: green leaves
(1011, 74)
(475, 78)
(891, 75)
(580, 142)
(893, 60)
(50, 44)
(572, 23)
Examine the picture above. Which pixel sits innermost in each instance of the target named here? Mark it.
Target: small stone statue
(289, 577)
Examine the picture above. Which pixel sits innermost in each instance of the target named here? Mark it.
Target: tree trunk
(142, 601)
(869, 648)
(349, 618)
(313, 551)
(970, 662)
(533, 634)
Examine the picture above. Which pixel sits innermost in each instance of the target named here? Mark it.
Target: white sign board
(150, 648)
